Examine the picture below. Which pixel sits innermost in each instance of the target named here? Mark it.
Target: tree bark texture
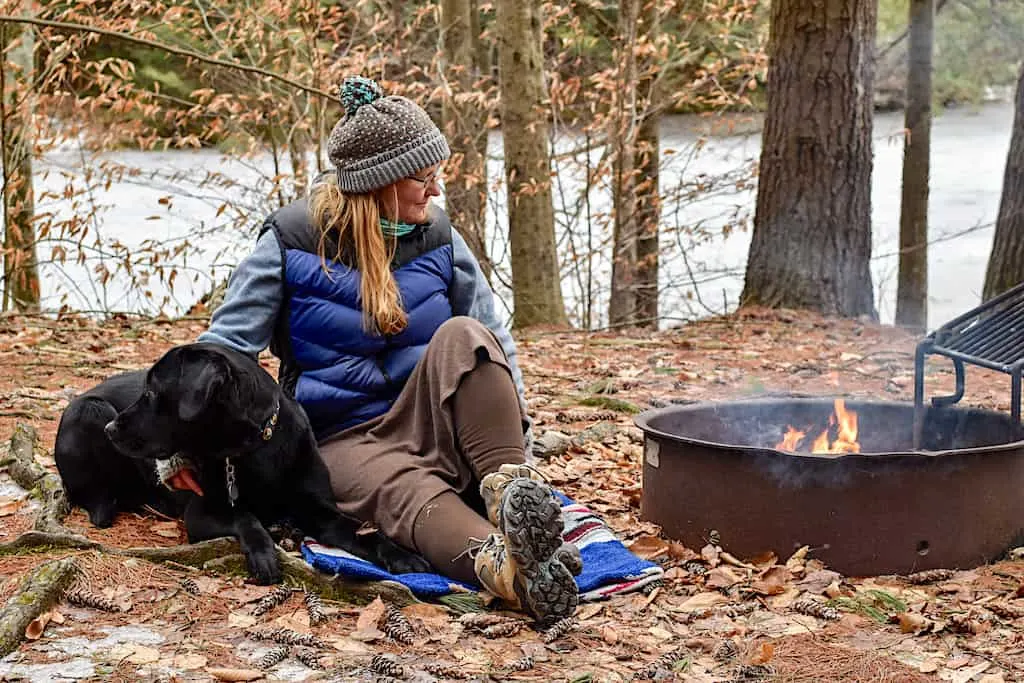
(535, 268)
(464, 116)
(912, 287)
(21, 270)
(811, 243)
(648, 197)
(1006, 262)
(623, 138)
(37, 592)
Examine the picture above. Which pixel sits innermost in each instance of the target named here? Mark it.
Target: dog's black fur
(210, 404)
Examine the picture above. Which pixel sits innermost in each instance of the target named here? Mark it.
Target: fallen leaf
(208, 585)
(56, 617)
(371, 614)
(911, 622)
(992, 678)
(237, 620)
(589, 611)
(721, 577)
(236, 674)
(929, 666)
(609, 635)
(189, 662)
(766, 559)
(958, 662)
(8, 506)
(649, 547)
(35, 628)
(762, 655)
(701, 601)
(660, 633)
(710, 555)
(797, 561)
(772, 581)
(143, 655)
(297, 621)
(349, 646)
(680, 553)
(817, 582)
(970, 672)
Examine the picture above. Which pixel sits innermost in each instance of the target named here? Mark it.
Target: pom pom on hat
(357, 91)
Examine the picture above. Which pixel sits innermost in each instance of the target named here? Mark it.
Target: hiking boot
(522, 564)
(493, 485)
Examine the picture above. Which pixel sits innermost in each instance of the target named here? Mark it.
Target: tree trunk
(465, 125)
(648, 191)
(811, 243)
(1006, 263)
(623, 137)
(912, 289)
(535, 270)
(21, 270)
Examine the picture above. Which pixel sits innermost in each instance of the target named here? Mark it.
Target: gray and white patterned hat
(381, 139)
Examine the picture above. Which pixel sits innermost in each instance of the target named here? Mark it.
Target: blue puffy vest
(341, 375)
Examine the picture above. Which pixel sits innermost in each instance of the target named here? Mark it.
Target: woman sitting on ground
(387, 336)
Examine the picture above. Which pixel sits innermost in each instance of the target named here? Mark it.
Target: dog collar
(267, 430)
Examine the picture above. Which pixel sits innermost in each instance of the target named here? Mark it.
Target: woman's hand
(185, 480)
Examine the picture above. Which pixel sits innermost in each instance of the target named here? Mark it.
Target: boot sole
(530, 519)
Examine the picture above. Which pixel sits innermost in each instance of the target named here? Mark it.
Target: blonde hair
(354, 222)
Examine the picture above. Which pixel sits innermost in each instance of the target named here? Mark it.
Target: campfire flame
(842, 422)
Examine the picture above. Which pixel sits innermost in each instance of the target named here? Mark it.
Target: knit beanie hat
(381, 139)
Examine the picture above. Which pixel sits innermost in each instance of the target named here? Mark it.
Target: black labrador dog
(252, 447)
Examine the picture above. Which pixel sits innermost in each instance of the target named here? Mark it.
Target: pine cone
(481, 620)
(1006, 610)
(506, 630)
(652, 586)
(725, 651)
(666, 662)
(84, 597)
(190, 586)
(274, 656)
(695, 567)
(271, 600)
(815, 609)
(387, 665)
(286, 636)
(442, 670)
(930, 576)
(524, 663)
(309, 657)
(753, 672)
(315, 608)
(397, 627)
(559, 629)
(737, 609)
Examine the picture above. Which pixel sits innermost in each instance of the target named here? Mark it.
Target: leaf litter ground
(716, 618)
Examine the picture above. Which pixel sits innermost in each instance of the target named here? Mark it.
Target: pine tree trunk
(1006, 263)
(649, 188)
(912, 288)
(465, 125)
(623, 138)
(535, 269)
(21, 271)
(811, 244)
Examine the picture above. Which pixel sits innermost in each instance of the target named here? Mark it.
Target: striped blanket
(608, 566)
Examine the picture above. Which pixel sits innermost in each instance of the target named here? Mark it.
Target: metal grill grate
(990, 336)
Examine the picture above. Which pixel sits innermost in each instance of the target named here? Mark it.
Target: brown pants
(414, 471)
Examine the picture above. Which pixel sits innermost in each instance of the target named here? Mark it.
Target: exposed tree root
(220, 555)
(47, 487)
(36, 593)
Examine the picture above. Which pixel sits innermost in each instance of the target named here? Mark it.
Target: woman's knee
(460, 327)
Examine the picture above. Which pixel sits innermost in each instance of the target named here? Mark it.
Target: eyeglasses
(434, 176)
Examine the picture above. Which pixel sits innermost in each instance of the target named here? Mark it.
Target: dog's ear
(199, 388)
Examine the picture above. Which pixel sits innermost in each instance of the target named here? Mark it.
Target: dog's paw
(398, 560)
(264, 567)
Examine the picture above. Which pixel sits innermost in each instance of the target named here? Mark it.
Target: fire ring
(957, 503)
